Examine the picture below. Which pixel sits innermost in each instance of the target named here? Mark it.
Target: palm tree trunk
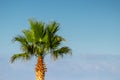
(40, 69)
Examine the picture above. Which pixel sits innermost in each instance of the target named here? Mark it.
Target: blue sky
(92, 30)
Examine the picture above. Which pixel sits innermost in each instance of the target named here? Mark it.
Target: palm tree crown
(41, 39)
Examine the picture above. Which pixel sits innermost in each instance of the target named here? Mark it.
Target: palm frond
(28, 35)
(64, 50)
(56, 41)
(38, 29)
(23, 56)
(52, 28)
(20, 39)
(53, 39)
(61, 52)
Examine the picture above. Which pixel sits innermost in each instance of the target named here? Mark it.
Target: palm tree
(41, 39)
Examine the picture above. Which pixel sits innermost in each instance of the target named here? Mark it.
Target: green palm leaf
(23, 56)
(61, 52)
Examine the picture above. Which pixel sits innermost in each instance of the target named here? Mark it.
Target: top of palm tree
(41, 39)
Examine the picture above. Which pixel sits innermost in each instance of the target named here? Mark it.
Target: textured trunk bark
(40, 69)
